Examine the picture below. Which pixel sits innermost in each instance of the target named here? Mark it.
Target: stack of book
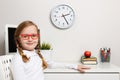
(90, 61)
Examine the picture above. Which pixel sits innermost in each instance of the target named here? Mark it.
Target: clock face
(62, 16)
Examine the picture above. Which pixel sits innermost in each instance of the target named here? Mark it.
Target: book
(90, 61)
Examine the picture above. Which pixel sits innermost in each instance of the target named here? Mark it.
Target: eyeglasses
(27, 36)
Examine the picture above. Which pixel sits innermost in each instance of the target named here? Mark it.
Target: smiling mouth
(29, 43)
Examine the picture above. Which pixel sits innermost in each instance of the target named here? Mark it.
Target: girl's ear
(18, 40)
(19, 43)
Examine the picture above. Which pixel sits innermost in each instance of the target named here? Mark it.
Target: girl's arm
(81, 68)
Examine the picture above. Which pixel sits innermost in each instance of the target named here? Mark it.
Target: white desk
(103, 71)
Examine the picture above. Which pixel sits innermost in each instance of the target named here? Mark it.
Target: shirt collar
(29, 53)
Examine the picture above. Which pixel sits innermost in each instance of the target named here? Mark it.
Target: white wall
(97, 25)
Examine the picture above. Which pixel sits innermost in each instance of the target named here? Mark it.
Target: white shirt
(33, 70)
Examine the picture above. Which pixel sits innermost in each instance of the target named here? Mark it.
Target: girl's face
(29, 38)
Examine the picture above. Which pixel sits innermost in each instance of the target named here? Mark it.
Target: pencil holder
(105, 54)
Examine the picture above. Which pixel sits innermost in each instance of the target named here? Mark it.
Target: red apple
(87, 54)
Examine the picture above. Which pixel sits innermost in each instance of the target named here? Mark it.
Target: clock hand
(66, 14)
(65, 18)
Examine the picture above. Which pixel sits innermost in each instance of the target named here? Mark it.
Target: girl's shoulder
(17, 57)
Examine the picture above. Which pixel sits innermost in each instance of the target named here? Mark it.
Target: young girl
(28, 63)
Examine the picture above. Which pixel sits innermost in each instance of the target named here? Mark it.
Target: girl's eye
(25, 36)
(33, 35)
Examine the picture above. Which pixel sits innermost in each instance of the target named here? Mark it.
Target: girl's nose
(30, 38)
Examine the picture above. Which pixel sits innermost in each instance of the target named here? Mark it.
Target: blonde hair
(18, 31)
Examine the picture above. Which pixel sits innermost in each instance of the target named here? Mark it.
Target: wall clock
(62, 16)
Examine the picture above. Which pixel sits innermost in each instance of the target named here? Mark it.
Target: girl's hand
(82, 68)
